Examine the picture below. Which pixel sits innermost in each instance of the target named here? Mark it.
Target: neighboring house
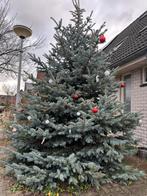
(128, 52)
(40, 75)
(7, 100)
(11, 100)
(28, 86)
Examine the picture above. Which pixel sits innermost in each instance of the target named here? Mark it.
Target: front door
(127, 93)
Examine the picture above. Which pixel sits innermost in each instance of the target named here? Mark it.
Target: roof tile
(133, 39)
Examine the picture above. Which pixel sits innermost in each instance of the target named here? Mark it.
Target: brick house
(28, 86)
(40, 75)
(7, 100)
(128, 52)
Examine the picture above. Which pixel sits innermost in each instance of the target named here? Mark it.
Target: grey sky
(36, 14)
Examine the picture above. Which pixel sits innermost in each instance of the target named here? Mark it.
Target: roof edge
(130, 58)
(124, 29)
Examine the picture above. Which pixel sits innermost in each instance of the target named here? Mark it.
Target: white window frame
(143, 75)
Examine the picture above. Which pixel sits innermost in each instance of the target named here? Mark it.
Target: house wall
(139, 104)
(41, 75)
(8, 100)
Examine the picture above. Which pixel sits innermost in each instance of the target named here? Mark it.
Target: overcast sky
(36, 14)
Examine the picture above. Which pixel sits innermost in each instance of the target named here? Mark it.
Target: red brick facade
(7, 99)
(40, 75)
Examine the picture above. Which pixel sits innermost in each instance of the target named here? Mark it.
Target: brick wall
(139, 104)
(7, 99)
(41, 75)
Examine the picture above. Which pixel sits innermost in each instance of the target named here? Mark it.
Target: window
(144, 75)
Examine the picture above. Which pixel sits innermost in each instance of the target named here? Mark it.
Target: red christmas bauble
(75, 97)
(102, 39)
(122, 85)
(95, 109)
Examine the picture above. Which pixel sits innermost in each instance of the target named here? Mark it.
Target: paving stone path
(2, 189)
(2, 185)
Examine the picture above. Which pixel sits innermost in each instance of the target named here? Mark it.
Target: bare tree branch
(10, 43)
(9, 89)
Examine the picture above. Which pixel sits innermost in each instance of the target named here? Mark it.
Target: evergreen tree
(73, 129)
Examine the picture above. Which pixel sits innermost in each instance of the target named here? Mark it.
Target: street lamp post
(22, 32)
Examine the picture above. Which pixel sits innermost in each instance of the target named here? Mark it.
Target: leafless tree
(9, 89)
(10, 43)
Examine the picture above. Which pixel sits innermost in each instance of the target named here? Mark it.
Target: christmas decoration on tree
(122, 85)
(102, 39)
(78, 114)
(75, 97)
(107, 73)
(59, 140)
(97, 78)
(50, 81)
(29, 117)
(14, 129)
(70, 131)
(47, 122)
(43, 141)
(95, 109)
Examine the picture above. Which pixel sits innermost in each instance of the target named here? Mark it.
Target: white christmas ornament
(69, 131)
(140, 121)
(50, 81)
(47, 122)
(107, 73)
(78, 113)
(14, 129)
(43, 140)
(25, 78)
(29, 118)
(98, 98)
(97, 78)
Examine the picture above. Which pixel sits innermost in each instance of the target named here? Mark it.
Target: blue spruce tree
(72, 128)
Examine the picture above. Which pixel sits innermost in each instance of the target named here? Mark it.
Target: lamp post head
(22, 31)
